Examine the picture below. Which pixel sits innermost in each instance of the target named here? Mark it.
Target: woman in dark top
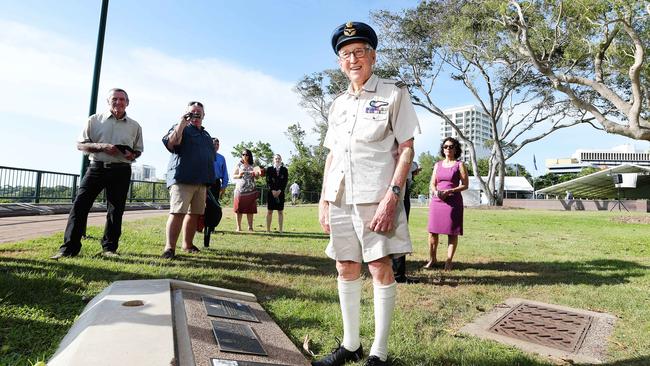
(277, 177)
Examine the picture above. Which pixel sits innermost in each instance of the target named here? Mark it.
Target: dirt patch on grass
(632, 219)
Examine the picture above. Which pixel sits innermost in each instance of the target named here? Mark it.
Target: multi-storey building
(143, 172)
(601, 159)
(475, 125)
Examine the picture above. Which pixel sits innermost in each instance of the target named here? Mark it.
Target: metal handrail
(42, 186)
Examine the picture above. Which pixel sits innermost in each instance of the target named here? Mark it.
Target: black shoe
(61, 254)
(192, 249)
(339, 357)
(375, 361)
(168, 254)
(407, 280)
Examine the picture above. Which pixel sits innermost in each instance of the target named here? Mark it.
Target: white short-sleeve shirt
(364, 131)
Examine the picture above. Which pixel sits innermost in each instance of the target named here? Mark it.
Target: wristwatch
(396, 189)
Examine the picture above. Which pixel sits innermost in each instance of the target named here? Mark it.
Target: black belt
(108, 165)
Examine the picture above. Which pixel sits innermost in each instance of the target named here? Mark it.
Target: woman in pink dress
(449, 178)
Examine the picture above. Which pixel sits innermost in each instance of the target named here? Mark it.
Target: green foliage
(421, 181)
(587, 171)
(517, 170)
(262, 152)
(483, 167)
(307, 163)
(317, 92)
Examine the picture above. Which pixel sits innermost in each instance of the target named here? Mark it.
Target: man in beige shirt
(370, 137)
(113, 141)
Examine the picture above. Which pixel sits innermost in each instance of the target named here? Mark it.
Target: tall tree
(591, 51)
(317, 92)
(305, 165)
(440, 37)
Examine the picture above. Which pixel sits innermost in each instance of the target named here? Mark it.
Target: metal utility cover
(238, 338)
(543, 325)
(229, 309)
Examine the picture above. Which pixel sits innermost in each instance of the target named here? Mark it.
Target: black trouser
(399, 264)
(115, 180)
(215, 189)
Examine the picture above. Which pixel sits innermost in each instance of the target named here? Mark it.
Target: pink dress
(446, 217)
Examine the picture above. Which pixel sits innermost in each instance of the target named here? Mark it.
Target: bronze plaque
(218, 362)
(550, 327)
(228, 309)
(237, 338)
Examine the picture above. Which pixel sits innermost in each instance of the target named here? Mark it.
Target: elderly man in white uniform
(370, 137)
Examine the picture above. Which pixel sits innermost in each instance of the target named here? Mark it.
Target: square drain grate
(560, 329)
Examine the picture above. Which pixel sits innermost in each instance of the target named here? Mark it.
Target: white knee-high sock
(384, 300)
(350, 300)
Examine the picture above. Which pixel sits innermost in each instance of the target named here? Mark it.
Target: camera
(189, 116)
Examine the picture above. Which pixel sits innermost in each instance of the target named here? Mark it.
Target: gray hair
(110, 92)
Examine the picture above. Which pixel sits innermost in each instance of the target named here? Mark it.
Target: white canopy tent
(634, 184)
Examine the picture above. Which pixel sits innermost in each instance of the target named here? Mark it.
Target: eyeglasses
(195, 103)
(357, 52)
(447, 146)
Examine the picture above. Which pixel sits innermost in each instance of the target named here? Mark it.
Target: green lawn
(577, 259)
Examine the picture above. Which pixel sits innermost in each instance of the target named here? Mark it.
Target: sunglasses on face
(195, 103)
(447, 146)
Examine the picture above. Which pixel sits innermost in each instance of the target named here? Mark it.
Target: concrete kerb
(31, 209)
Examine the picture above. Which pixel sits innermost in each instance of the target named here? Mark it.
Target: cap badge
(349, 30)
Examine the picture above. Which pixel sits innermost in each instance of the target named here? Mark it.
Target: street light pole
(97, 71)
(94, 91)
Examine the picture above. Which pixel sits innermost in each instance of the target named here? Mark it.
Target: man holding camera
(113, 141)
(189, 173)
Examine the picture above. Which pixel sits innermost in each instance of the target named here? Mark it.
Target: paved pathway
(27, 227)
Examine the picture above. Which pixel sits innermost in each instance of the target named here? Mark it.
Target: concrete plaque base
(164, 322)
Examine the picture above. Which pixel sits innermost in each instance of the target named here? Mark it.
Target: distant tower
(475, 125)
(143, 172)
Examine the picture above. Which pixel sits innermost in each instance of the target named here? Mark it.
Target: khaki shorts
(187, 198)
(352, 240)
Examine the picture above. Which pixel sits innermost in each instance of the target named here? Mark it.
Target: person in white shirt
(370, 138)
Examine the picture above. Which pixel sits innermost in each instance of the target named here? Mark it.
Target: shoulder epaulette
(397, 83)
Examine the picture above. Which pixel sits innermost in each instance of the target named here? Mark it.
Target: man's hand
(110, 149)
(129, 155)
(185, 120)
(276, 194)
(324, 215)
(384, 218)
